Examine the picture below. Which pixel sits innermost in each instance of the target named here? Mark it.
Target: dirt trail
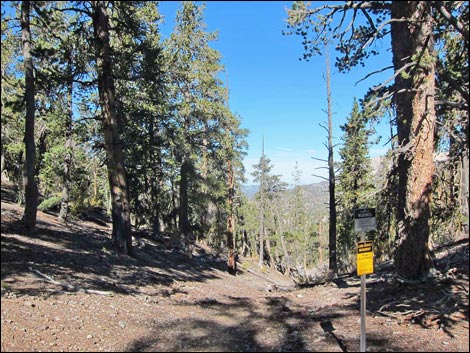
(64, 290)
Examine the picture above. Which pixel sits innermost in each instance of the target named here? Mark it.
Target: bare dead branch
(373, 73)
(397, 72)
(321, 177)
(319, 159)
(65, 285)
(459, 26)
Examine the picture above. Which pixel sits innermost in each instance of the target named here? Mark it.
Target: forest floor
(64, 290)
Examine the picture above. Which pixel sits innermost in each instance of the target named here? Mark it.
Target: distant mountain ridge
(315, 190)
(249, 190)
(315, 196)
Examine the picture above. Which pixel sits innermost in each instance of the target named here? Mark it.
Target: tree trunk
(305, 250)
(3, 137)
(64, 205)
(464, 194)
(3, 159)
(286, 256)
(121, 237)
(29, 182)
(414, 99)
(261, 213)
(269, 253)
(246, 249)
(332, 263)
(155, 179)
(67, 162)
(232, 264)
(320, 243)
(261, 236)
(184, 224)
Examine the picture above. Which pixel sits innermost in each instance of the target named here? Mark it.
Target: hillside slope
(64, 290)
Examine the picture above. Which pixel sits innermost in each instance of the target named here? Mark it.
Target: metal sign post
(364, 221)
(363, 306)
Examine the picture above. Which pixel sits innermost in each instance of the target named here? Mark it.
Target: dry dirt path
(65, 291)
(215, 315)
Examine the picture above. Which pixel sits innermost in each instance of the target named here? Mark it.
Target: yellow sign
(365, 258)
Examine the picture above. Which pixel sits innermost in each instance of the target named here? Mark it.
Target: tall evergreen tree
(233, 150)
(13, 110)
(198, 110)
(414, 97)
(452, 102)
(355, 179)
(413, 91)
(298, 231)
(260, 176)
(54, 33)
(61, 67)
(29, 182)
(140, 73)
(270, 188)
(111, 125)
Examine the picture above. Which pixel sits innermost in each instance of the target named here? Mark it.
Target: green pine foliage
(180, 138)
(172, 106)
(356, 188)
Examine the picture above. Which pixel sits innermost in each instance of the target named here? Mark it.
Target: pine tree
(140, 73)
(110, 121)
(416, 136)
(60, 68)
(270, 188)
(199, 117)
(12, 108)
(30, 186)
(295, 239)
(413, 91)
(355, 180)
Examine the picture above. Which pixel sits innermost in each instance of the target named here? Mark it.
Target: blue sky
(276, 95)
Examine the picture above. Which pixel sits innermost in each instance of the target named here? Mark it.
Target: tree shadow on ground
(81, 257)
(431, 303)
(273, 325)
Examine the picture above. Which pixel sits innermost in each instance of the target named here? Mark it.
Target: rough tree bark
(121, 236)
(412, 41)
(67, 162)
(232, 264)
(184, 223)
(464, 186)
(29, 183)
